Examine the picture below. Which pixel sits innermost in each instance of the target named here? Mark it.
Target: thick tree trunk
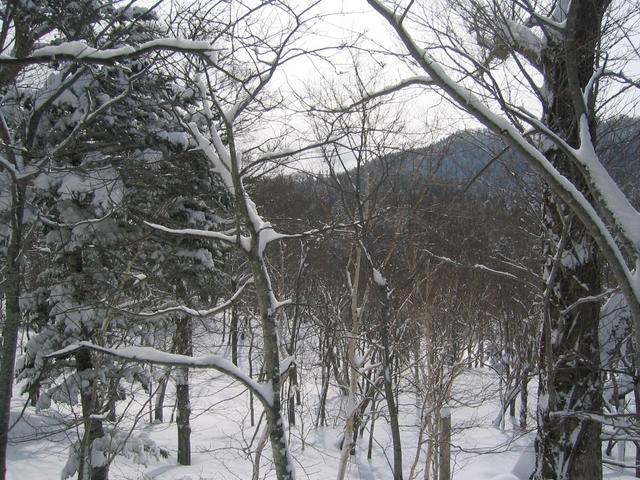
(90, 468)
(12, 319)
(184, 346)
(569, 447)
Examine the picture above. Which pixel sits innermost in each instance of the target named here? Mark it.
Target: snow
(267, 235)
(101, 185)
(80, 50)
(202, 255)
(626, 217)
(219, 164)
(192, 232)
(379, 279)
(524, 38)
(139, 277)
(221, 433)
(179, 139)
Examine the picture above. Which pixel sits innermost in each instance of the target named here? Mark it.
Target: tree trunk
(277, 436)
(252, 414)
(444, 450)
(524, 397)
(391, 404)
(12, 319)
(160, 396)
(325, 371)
(184, 346)
(90, 466)
(259, 448)
(292, 394)
(233, 328)
(636, 398)
(371, 428)
(112, 398)
(429, 461)
(569, 447)
(395, 426)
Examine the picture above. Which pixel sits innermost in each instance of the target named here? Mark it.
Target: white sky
(428, 117)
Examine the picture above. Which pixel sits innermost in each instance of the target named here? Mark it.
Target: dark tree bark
(93, 428)
(371, 429)
(636, 398)
(393, 417)
(325, 371)
(12, 319)
(569, 447)
(524, 397)
(388, 358)
(158, 412)
(233, 328)
(252, 414)
(184, 346)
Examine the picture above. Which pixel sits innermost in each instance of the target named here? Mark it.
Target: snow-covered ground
(223, 442)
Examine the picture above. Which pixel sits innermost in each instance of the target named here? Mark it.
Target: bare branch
(158, 357)
(79, 52)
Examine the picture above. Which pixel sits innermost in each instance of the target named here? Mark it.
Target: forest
(279, 239)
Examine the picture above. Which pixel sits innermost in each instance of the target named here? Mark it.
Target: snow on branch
(378, 277)
(407, 82)
(477, 266)
(51, 223)
(286, 364)
(80, 51)
(289, 152)
(607, 191)
(217, 155)
(615, 420)
(524, 40)
(194, 232)
(158, 357)
(197, 313)
(503, 36)
(589, 299)
(588, 91)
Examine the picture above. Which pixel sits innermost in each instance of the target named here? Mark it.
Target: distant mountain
(464, 156)
(482, 157)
